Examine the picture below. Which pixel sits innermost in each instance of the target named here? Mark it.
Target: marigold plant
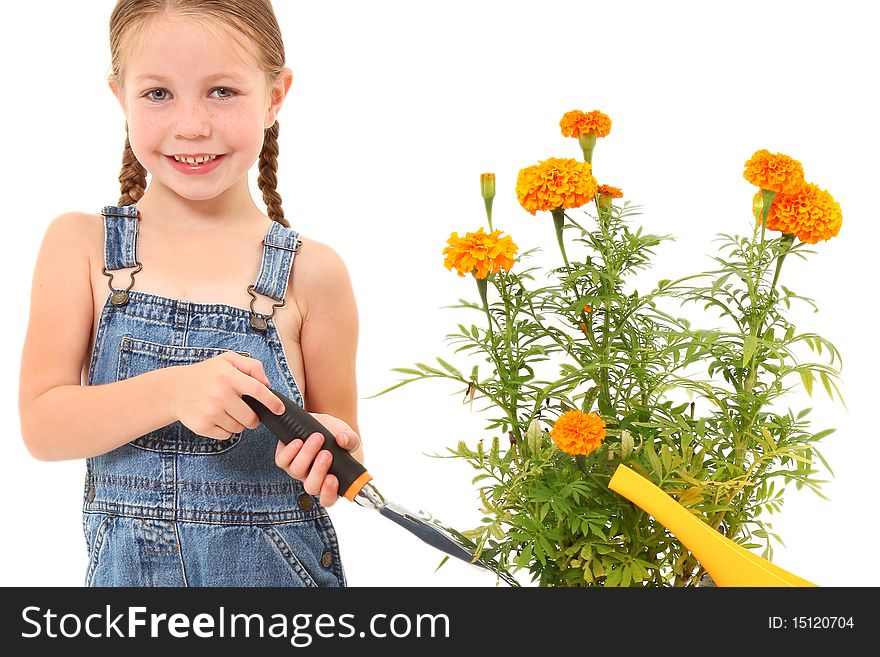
(576, 432)
(479, 253)
(576, 122)
(810, 213)
(581, 371)
(555, 184)
(774, 172)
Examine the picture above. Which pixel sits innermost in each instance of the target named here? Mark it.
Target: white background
(395, 110)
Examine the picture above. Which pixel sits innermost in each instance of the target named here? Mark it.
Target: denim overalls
(173, 508)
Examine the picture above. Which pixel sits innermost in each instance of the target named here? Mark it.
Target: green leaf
(449, 368)
(654, 459)
(822, 434)
(807, 380)
(826, 382)
(625, 576)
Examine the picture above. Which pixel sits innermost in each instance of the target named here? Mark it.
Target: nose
(192, 120)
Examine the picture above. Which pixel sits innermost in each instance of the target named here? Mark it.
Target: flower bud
(758, 207)
(487, 185)
(626, 444)
(487, 189)
(534, 436)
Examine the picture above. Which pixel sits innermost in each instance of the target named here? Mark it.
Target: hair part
(253, 19)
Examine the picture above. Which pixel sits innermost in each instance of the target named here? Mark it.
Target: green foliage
(696, 410)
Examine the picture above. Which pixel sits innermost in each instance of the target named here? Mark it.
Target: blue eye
(157, 95)
(223, 93)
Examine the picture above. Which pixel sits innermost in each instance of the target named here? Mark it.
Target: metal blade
(429, 530)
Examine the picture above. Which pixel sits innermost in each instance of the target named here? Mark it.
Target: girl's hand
(309, 463)
(207, 395)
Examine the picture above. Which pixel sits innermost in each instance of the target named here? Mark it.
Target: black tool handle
(296, 422)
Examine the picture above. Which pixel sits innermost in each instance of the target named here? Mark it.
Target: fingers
(219, 433)
(250, 366)
(244, 414)
(329, 491)
(320, 467)
(309, 463)
(297, 459)
(346, 437)
(232, 425)
(256, 384)
(348, 440)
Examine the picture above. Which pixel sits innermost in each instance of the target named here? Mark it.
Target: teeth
(194, 160)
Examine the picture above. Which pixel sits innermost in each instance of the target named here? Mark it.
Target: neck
(232, 209)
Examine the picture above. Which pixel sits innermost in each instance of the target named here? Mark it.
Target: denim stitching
(100, 534)
(289, 555)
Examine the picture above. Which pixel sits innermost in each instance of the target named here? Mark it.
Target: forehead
(172, 45)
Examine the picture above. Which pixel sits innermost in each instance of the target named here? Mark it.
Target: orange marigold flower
(576, 122)
(775, 173)
(555, 183)
(810, 213)
(608, 190)
(576, 432)
(479, 253)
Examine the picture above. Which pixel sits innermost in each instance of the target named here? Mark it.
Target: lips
(195, 164)
(193, 160)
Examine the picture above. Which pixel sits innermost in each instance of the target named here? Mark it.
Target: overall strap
(120, 247)
(279, 248)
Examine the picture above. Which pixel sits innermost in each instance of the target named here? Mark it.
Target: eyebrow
(152, 77)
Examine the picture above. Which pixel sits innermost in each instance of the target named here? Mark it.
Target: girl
(178, 300)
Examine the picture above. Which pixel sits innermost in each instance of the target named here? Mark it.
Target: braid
(268, 179)
(132, 178)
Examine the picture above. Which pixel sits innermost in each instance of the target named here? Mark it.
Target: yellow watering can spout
(729, 564)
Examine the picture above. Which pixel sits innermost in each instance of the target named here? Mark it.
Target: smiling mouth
(194, 160)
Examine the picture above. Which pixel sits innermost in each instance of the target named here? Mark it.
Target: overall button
(327, 559)
(306, 502)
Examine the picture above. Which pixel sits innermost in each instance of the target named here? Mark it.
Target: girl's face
(196, 103)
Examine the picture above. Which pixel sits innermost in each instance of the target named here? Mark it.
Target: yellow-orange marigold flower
(479, 253)
(555, 183)
(810, 213)
(774, 172)
(575, 122)
(608, 190)
(576, 432)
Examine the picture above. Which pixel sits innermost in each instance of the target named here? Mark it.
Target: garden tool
(354, 484)
(728, 563)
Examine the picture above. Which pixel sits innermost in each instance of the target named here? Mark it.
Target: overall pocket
(141, 356)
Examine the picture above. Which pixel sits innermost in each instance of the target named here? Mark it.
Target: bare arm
(63, 419)
(328, 339)
(329, 343)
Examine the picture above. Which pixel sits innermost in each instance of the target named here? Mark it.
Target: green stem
(513, 403)
(787, 241)
(482, 285)
(767, 197)
(558, 221)
(488, 202)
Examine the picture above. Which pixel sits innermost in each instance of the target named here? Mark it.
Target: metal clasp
(120, 297)
(295, 249)
(260, 322)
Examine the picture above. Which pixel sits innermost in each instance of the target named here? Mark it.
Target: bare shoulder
(319, 271)
(320, 278)
(77, 230)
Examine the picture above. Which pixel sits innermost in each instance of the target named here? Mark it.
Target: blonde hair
(254, 19)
